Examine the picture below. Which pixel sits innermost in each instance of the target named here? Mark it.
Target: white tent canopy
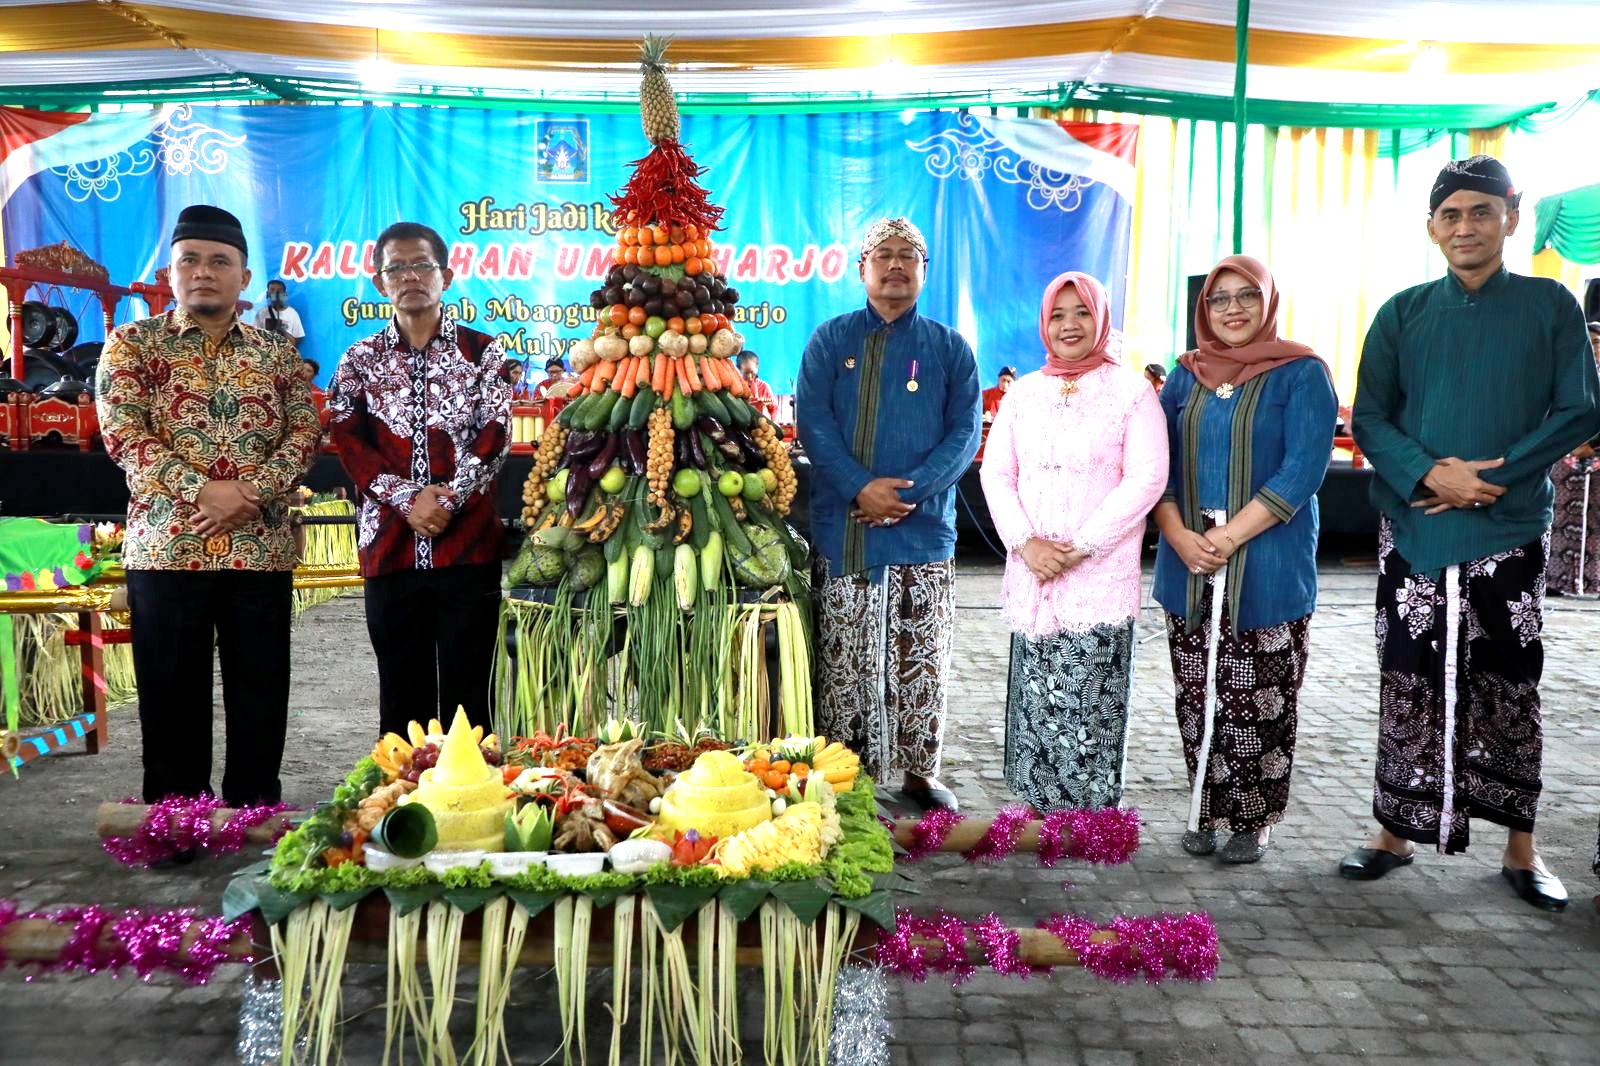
(1354, 51)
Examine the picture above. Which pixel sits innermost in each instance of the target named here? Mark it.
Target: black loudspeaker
(1196, 283)
(1591, 300)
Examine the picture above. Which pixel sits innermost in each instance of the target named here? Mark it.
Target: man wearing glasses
(887, 408)
(1469, 388)
(420, 414)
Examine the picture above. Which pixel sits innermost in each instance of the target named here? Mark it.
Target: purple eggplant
(602, 459)
(583, 444)
(638, 454)
(578, 491)
(697, 454)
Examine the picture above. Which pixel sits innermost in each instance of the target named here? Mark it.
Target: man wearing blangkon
(1469, 388)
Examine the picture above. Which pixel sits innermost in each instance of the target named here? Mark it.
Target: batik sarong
(1459, 660)
(1251, 750)
(1067, 717)
(884, 640)
(1574, 564)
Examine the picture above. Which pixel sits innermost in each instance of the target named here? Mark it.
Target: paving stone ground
(1437, 963)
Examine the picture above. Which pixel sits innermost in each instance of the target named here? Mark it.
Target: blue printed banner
(521, 201)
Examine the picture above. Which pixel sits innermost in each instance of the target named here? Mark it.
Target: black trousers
(178, 617)
(434, 633)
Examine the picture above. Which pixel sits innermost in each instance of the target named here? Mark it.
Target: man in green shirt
(1469, 388)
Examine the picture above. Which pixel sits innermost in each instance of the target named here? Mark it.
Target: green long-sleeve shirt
(1504, 371)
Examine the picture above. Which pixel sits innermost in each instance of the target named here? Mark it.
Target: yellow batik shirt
(177, 410)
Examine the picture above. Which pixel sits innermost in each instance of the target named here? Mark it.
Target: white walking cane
(1583, 531)
(1219, 593)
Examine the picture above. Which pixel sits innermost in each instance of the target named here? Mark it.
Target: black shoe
(1243, 848)
(928, 797)
(1543, 890)
(1369, 864)
(1200, 842)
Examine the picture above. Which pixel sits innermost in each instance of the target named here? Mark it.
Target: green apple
(613, 479)
(730, 484)
(654, 326)
(556, 488)
(686, 483)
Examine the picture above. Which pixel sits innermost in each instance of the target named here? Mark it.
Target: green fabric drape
(1569, 222)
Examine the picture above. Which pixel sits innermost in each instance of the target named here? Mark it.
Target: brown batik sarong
(1459, 731)
(1574, 559)
(1253, 726)
(882, 663)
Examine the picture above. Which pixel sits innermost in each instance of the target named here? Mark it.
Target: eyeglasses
(400, 270)
(883, 257)
(1249, 299)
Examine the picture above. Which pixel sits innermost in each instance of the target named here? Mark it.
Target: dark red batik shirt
(403, 418)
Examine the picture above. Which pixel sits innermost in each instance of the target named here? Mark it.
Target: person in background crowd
(887, 407)
(761, 397)
(213, 422)
(1575, 530)
(1469, 388)
(1156, 375)
(993, 396)
(514, 377)
(1250, 421)
(421, 417)
(557, 382)
(1075, 459)
(276, 316)
(310, 369)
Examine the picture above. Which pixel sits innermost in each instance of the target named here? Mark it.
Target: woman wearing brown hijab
(1250, 425)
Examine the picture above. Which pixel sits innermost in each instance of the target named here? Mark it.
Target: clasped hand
(224, 506)
(1454, 483)
(879, 503)
(1047, 559)
(429, 516)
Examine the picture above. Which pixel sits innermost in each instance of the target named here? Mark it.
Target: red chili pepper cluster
(662, 189)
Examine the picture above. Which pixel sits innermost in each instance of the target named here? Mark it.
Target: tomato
(676, 324)
(619, 314)
(630, 331)
(637, 315)
(692, 266)
(692, 325)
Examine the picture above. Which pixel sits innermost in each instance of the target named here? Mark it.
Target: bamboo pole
(965, 834)
(42, 940)
(124, 820)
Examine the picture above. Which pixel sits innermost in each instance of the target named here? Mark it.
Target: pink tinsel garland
(1158, 946)
(1004, 831)
(929, 832)
(1108, 836)
(1155, 945)
(148, 943)
(181, 823)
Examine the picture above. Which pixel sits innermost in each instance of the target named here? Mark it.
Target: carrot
(586, 379)
(708, 371)
(734, 379)
(662, 380)
(641, 373)
(683, 375)
(628, 377)
(695, 384)
(602, 374)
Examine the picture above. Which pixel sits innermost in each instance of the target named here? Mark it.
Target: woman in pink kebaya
(1075, 460)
